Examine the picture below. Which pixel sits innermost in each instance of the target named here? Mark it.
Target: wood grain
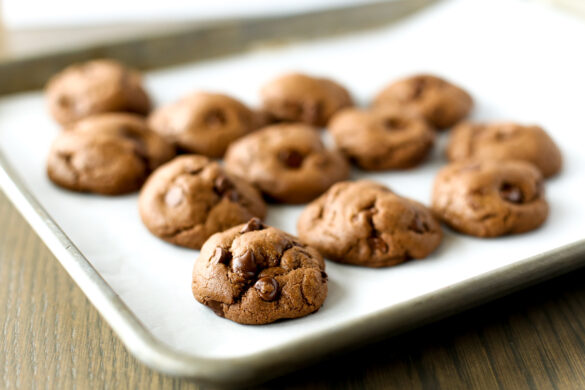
(52, 338)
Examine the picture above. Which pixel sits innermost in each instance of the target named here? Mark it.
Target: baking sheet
(520, 61)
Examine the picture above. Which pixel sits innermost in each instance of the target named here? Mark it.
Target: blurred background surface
(29, 27)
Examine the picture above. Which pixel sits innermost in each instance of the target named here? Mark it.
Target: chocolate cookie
(109, 154)
(296, 97)
(382, 138)
(95, 87)
(287, 162)
(441, 103)
(364, 223)
(490, 198)
(257, 274)
(191, 197)
(505, 141)
(204, 123)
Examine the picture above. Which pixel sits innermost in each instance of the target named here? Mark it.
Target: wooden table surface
(52, 337)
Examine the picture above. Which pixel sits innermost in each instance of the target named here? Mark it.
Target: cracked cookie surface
(287, 162)
(296, 97)
(95, 87)
(205, 123)
(257, 274)
(108, 154)
(382, 138)
(191, 197)
(440, 102)
(365, 223)
(505, 141)
(490, 198)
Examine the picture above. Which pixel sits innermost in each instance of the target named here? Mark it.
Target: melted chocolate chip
(222, 184)
(511, 193)
(193, 171)
(377, 244)
(245, 265)
(64, 101)
(291, 158)
(253, 224)
(418, 225)
(221, 256)
(215, 118)
(135, 137)
(224, 187)
(324, 275)
(267, 288)
(394, 123)
(216, 306)
(232, 195)
(174, 197)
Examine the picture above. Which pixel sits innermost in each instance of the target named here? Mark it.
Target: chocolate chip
(253, 224)
(135, 137)
(216, 306)
(232, 195)
(324, 275)
(194, 171)
(221, 256)
(222, 184)
(377, 244)
(511, 193)
(291, 158)
(267, 288)
(245, 265)
(418, 225)
(215, 118)
(395, 123)
(64, 101)
(174, 196)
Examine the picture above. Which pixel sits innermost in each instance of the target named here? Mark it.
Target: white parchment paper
(521, 62)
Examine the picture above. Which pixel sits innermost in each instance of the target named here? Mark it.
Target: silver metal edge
(253, 368)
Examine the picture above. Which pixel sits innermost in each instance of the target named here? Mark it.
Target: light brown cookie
(95, 87)
(296, 97)
(191, 197)
(382, 138)
(205, 123)
(256, 274)
(490, 198)
(440, 102)
(108, 154)
(287, 162)
(364, 223)
(505, 141)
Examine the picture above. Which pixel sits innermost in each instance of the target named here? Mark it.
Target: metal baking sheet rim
(268, 364)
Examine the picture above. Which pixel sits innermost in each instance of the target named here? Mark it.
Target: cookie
(95, 87)
(366, 224)
(191, 197)
(490, 198)
(287, 162)
(296, 97)
(109, 154)
(505, 141)
(440, 102)
(205, 123)
(257, 274)
(382, 138)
